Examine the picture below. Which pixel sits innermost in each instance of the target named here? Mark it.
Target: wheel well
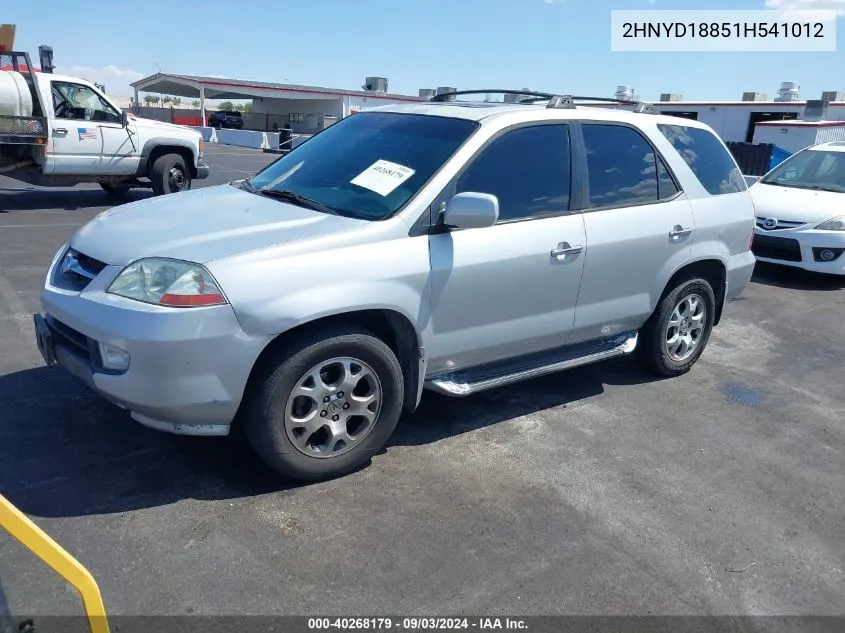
(391, 327)
(712, 271)
(184, 152)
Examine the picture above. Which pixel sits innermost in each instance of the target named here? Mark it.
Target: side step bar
(499, 374)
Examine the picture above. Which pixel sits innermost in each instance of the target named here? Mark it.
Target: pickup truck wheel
(324, 404)
(170, 175)
(118, 191)
(675, 336)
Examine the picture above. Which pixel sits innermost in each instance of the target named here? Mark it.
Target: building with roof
(307, 109)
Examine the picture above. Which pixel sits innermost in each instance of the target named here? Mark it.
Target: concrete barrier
(209, 134)
(248, 138)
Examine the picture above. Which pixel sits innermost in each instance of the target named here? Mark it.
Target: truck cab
(85, 137)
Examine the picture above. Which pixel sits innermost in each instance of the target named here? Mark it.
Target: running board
(499, 374)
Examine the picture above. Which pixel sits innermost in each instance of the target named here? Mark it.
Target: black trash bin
(286, 139)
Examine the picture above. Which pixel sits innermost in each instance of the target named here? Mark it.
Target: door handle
(60, 130)
(679, 231)
(564, 249)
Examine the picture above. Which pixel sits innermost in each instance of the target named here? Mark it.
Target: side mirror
(470, 210)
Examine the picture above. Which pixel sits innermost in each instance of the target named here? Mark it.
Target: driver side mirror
(470, 210)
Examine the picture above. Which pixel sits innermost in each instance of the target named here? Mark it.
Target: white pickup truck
(61, 131)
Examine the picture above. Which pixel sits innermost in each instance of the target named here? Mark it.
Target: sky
(559, 46)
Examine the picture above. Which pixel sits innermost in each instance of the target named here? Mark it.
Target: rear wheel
(323, 405)
(118, 191)
(169, 174)
(674, 337)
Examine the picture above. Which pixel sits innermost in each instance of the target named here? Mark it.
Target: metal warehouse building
(308, 109)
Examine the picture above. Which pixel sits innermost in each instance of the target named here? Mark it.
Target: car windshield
(367, 165)
(811, 169)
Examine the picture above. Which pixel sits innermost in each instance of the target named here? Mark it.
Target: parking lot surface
(595, 491)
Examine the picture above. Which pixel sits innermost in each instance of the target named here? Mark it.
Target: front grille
(76, 270)
(90, 264)
(782, 248)
(75, 342)
(779, 226)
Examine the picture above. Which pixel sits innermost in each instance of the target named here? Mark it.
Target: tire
(163, 175)
(118, 191)
(293, 433)
(658, 349)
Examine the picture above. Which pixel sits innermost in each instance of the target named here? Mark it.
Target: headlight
(834, 224)
(168, 282)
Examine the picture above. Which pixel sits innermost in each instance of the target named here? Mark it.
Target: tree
(226, 105)
(176, 101)
(195, 104)
(167, 100)
(247, 107)
(150, 99)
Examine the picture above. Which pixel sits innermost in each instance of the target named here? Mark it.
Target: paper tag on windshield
(383, 176)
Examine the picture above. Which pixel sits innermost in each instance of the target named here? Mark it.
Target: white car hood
(796, 205)
(201, 225)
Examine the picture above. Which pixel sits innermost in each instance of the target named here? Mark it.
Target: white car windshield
(810, 169)
(367, 165)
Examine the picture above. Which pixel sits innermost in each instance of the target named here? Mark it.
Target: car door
(639, 227)
(87, 136)
(509, 289)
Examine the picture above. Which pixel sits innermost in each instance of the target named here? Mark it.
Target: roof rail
(446, 96)
(553, 101)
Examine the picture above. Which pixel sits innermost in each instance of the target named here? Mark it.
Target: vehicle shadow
(73, 454)
(795, 278)
(36, 199)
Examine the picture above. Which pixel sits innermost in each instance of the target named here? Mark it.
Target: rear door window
(623, 168)
(708, 159)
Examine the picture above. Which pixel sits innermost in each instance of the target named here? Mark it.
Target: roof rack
(553, 101)
(447, 96)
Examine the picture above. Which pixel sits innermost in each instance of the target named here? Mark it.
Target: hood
(201, 225)
(796, 205)
(168, 129)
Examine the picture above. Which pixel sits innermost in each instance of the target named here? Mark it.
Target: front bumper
(188, 367)
(800, 248)
(203, 171)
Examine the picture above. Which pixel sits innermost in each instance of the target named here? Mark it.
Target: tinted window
(709, 160)
(811, 169)
(623, 168)
(370, 164)
(666, 187)
(526, 169)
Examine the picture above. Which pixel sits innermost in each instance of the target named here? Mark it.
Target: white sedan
(801, 211)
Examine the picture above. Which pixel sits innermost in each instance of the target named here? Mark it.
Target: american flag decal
(87, 132)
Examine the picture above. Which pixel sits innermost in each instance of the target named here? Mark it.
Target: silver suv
(448, 245)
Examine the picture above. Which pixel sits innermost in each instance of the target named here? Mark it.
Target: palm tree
(176, 101)
(151, 100)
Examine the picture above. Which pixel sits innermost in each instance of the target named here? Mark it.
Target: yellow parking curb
(54, 555)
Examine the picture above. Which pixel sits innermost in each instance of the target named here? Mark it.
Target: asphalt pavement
(595, 491)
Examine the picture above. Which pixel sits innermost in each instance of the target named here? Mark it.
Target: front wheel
(169, 174)
(323, 405)
(675, 336)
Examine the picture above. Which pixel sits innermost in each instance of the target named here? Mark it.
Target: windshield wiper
(798, 185)
(297, 199)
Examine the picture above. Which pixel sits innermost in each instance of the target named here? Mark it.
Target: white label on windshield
(383, 176)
